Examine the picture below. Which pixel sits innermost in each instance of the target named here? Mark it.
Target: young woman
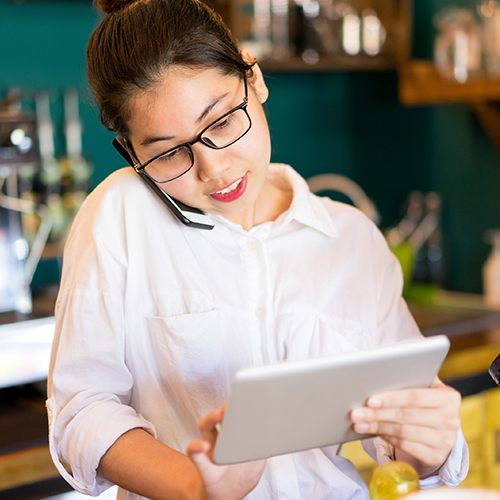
(155, 316)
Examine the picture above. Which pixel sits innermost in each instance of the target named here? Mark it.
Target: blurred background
(346, 120)
(397, 101)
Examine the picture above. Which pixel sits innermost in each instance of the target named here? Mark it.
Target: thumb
(197, 451)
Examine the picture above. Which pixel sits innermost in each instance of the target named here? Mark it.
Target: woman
(154, 317)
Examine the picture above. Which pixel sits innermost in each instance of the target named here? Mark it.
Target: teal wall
(349, 123)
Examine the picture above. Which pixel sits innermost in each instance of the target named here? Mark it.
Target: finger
(423, 417)
(209, 425)
(198, 452)
(197, 446)
(400, 432)
(438, 383)
(428, 456)
(432, 397)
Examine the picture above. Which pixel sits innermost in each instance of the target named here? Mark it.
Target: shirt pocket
(191, 344)
(307, 335)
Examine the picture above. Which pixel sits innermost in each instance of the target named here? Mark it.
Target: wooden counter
(474, 332)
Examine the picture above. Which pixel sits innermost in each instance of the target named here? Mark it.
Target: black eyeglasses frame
(141, 168)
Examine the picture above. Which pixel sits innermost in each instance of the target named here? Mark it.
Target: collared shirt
(153, 319)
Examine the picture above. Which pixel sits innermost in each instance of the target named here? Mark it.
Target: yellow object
(492, 439)
(469, 362)
(393, 480)
(473, 412)
(405, 254)
(480, 415)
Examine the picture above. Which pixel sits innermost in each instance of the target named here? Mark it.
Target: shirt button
(260, 312)
(252, 245)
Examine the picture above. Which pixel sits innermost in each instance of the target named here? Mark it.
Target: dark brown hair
(138, 40)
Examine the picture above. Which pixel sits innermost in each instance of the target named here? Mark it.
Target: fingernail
(374, 403)
(358, 415)
(361, 427)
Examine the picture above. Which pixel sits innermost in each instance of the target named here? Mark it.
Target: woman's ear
(257, 79)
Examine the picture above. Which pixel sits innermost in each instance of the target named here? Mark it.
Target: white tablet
(299, 405)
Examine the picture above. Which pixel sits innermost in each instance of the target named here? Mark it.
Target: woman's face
(229, 182)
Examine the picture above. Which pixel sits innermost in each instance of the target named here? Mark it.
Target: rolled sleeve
(89, 387)
(78, 444)
(454, 470)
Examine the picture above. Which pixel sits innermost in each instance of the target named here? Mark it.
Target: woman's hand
(421, 423)
(222, 482)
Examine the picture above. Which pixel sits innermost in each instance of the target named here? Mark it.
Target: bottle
(491, 270)
(279, 29)
(457, 47)
(426, 241)
(393, 480)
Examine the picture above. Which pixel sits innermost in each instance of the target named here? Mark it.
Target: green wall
(348, 123)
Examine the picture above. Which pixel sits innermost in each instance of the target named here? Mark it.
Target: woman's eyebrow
(153, 139)
(211, 105)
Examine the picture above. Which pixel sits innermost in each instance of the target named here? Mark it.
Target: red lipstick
(231, 192)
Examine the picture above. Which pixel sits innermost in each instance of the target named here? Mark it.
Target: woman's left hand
(221, 482)
(421, 423)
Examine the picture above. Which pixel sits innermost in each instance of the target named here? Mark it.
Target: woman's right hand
(222, 482)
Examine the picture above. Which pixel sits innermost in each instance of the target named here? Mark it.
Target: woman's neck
(270, 204)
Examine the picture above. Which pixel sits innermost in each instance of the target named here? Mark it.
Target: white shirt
(153, 319)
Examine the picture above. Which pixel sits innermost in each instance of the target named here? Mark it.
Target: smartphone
(189, 216)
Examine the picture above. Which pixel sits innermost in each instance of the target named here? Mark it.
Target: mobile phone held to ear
(189, 216)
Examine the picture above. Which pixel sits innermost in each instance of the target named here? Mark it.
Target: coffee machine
(21, 219)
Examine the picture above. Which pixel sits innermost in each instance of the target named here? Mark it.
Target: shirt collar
(305, 208)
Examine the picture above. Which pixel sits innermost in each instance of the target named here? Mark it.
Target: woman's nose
(210, 163)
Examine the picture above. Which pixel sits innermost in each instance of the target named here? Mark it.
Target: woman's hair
(138, 40)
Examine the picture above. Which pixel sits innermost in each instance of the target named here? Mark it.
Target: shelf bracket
(488, 115)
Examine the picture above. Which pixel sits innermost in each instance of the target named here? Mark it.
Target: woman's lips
(231, 192)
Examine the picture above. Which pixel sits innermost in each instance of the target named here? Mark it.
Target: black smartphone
(189, 216)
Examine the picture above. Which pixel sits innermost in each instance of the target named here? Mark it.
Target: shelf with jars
(321, 35)
(420, 83)
(465, 68)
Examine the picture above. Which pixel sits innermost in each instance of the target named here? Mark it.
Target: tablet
(299, 405)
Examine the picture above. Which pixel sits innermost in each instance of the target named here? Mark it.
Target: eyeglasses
(220, 134)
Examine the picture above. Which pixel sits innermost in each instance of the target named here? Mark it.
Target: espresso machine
(24, 224)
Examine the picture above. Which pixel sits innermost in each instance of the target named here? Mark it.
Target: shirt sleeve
(89, 388)
(451, 473)
(394, 320)
(90, 384)
(395, 323)
(454, 470)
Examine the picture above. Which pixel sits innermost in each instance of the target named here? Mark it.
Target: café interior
(389, 105)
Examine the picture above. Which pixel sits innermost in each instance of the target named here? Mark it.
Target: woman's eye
(226, 122)
(170, 156)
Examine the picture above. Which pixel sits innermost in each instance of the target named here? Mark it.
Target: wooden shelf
(421, 84)
(395, 15)
(342, 62)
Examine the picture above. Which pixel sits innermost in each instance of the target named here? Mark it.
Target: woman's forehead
(186, 85)
(183, 97)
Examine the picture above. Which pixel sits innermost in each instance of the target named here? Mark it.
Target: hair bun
(109, 6)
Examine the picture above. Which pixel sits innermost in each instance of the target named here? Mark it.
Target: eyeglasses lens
(221, 134)
(170, 165)
(227, 130)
